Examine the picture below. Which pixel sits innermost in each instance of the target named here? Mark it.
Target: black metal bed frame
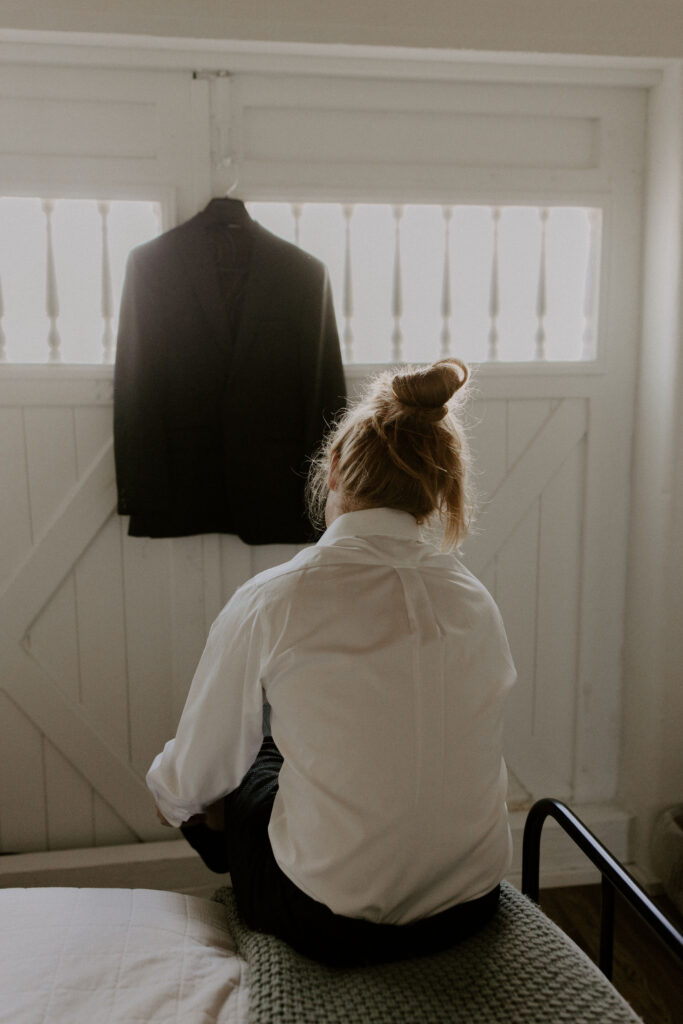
(614, 877)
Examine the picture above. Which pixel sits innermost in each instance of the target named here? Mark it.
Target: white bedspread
(95, 956)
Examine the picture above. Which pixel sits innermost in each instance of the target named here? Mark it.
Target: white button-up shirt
(386, 664)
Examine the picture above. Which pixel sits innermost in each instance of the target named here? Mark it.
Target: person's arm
(220, 730)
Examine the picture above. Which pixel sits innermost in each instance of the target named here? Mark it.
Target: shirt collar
(369, 522)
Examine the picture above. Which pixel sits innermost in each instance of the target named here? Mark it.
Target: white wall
(652, 759)
(616, 27)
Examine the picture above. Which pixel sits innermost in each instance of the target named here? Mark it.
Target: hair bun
(430, 388)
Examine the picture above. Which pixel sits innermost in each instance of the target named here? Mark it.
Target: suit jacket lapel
(196, 256)
(199, 261)
(256, 296)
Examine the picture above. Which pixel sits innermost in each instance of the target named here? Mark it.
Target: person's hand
(214, 815)
(196, 819)
(161, 818)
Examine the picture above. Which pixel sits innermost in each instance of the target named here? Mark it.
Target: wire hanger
(228, 164)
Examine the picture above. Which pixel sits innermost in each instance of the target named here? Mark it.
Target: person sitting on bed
(371, 825)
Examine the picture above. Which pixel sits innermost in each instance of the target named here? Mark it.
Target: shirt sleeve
(220, 729)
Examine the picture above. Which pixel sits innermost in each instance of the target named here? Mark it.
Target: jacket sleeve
(220, 729)
(321, 363)
(139, 441)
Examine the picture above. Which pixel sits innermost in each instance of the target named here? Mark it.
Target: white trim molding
(267, 57)
(173, 865)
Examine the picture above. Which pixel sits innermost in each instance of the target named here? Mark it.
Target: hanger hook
(228, 164)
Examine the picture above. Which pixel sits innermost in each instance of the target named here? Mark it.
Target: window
(411, 282)
(61, 272)
(415, 282)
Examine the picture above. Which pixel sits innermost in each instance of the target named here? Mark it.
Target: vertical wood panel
(102, 634)
(489, 446)
(268, 555)
(558, 622)
(519, 798)
(51, 456)
(236, 565)
(93, 426)
(212, 558)
(147, 583)
(488, 443)
(517, 565)
(108, 828)
(188, 631)
(15, 514)
(22, 789)
(53, 639)
(530, 474)
(525, 417)
(488, 577)
(69, 803)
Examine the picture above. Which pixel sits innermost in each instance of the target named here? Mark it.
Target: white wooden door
(84, 667)
(99, 632)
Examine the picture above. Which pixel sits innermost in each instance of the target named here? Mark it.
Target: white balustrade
(591, 286)
(103, 209)
(363, 246)
(397, 291)
(51, 293)
(494, 291)
(541, 293)
(347, 297)
(446, 284)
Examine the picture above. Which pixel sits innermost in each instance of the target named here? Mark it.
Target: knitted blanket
(519, 969)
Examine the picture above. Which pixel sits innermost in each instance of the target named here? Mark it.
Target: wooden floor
(645, 973)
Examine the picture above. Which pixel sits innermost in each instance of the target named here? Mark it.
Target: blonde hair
(401, 446)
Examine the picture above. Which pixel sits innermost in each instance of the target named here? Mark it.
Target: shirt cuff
(174, 811)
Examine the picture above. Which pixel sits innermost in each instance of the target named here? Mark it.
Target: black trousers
(269, 901)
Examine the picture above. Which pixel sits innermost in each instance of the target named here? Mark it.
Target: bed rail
(614, 877)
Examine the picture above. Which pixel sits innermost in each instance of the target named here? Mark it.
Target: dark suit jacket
(213, 432)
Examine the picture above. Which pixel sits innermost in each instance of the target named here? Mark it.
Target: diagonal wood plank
(63, 721)
(77, 520)
(527, 479)
(81, 514)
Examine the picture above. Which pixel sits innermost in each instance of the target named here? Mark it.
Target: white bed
(108, 956)
(141, 956)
